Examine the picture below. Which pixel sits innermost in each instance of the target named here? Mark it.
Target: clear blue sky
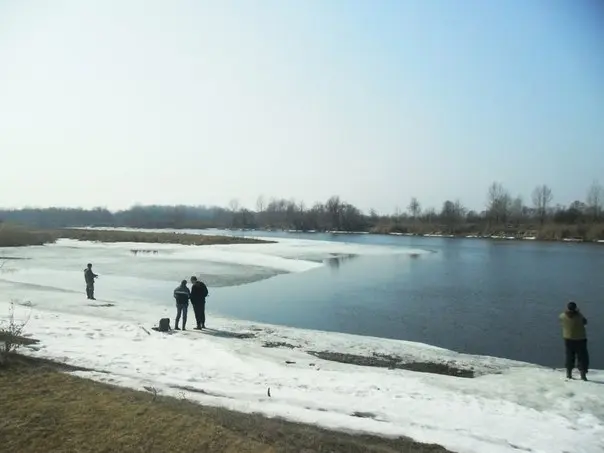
(111, 103)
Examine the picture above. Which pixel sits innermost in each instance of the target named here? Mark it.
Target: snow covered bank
(514, 407)
(509, 407)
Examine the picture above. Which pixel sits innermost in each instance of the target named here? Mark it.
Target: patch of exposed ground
(393, 362)
(278, 344)
(152, 237)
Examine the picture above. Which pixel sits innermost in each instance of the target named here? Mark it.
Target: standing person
(199, 292)
(89, 276)
(575, 340)
(182, 295)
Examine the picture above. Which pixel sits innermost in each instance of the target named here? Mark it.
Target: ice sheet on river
(221, 265)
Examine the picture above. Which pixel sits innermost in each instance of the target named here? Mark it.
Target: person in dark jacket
(199, 292)
(182, 295)
(575, 340)
(89, 277)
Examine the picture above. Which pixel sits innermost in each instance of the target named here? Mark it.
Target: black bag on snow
(164, 325)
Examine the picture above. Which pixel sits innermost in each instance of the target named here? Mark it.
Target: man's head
(193, 279)
(89, 265)
(183, 283)
(572, 306)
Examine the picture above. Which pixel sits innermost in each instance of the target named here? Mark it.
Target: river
(499, 298)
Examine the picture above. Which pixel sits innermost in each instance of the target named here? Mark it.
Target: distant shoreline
(16, 236)
(468, 235)
(494, 237)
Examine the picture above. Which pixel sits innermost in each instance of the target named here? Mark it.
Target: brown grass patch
(45, 410)
(152, 238)
(16, 236)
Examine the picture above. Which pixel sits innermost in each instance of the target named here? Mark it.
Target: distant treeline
(503, 215)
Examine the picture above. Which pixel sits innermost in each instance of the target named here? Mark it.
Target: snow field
(509, 407)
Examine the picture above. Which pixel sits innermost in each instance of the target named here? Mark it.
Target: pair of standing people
(197, 295)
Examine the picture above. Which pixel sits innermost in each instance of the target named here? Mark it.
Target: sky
(112, 103)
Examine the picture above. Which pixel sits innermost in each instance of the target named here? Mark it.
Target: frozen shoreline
(467, 235)
(509, 406)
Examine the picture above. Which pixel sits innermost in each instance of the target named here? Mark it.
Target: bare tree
(517, 210)
(397, 213)
(260, 204)
(452, 214)
(429, 215)
(234, 205)
(498, 203)
(460, 210)
(334, 208)
(448, 214)
(414, 208)
(542, 197)
(595, 199)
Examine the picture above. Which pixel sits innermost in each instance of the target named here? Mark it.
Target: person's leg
(92, 291)
(570, 357)
(87, 291)
(185, 309)
(178, 313)
(203, 314)
(583, 358)
(197, 316)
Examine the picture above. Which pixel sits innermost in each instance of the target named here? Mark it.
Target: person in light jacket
(575, 340)
(182, 296)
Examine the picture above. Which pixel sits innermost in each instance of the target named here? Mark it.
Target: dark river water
(499, 298)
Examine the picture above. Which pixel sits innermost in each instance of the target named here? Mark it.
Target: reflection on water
(335, 261)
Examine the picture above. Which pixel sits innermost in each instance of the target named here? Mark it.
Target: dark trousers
(199, 307)
(181, 309)
(576, 352)
(90, 290)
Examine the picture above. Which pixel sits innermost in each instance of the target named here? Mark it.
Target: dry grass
(15, 236)
(588, 232)
(45, 410)
(152, 238)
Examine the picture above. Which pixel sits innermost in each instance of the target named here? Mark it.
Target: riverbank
(15, 236)
(336, 381)
(529, 235)
(549, 231)
(98, 235)
(45, 408)
(12, 236)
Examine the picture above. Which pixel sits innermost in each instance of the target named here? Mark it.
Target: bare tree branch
(542, 197)
(414, 208)
(595, 199)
